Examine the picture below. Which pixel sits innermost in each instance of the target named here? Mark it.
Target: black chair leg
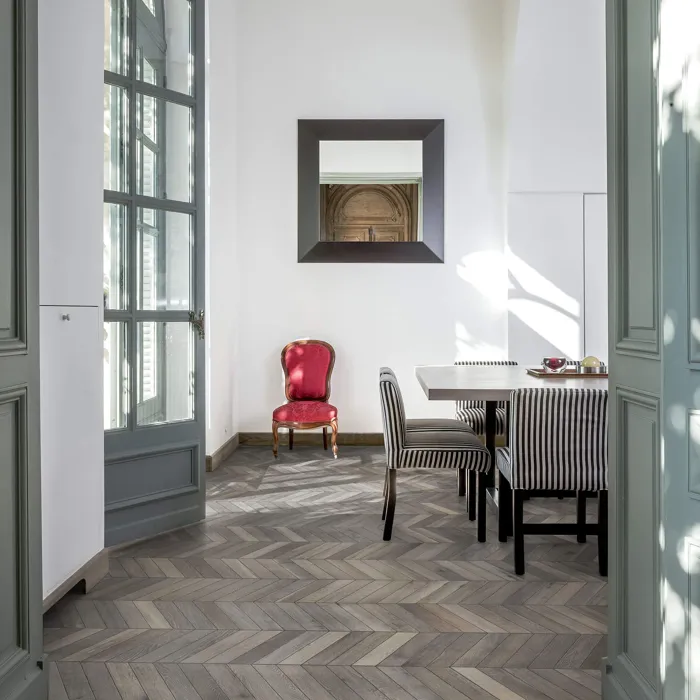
(461, 481)
(325, 438)
(472, 495)
(390, 505)
(386, 493)
(505, 509)
(581, 516)
(291, 439)
(481, 508)
(518, 534)
(603, 533)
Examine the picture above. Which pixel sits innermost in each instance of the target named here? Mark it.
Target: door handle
(197, 320)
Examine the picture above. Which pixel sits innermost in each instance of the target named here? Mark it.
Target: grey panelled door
(633, 669)
(654, 188)
(154, 266)
(21, 674)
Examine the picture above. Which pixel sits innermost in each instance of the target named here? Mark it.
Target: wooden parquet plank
(287, 591)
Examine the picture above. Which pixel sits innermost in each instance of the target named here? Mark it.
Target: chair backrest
(308, 365)
(559, 439)
(483, 363)
(393, 415)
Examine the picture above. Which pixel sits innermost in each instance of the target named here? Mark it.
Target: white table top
(491, 383)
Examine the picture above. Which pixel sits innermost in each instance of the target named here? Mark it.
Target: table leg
(491, 440)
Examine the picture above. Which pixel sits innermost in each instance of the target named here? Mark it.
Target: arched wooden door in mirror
(370, 212)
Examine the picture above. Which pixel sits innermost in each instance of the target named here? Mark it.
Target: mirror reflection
(371, 191)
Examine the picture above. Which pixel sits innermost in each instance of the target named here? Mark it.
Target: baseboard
(304, 437)
(90, 573)
(218, 457)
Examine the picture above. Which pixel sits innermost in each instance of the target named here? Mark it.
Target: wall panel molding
(637, 225)
(637, 501)
(14, 514)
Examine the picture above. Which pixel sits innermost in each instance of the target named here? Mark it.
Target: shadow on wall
(535, 301)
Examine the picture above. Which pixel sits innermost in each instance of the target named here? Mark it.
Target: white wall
(557, 128)
(300, 60)
(557, 226)
(70, 208)
(370, 157)
(524, 108)
(223, 260)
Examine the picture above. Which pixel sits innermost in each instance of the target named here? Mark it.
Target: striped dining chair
(473, 413)
(558, 446)
(425, 449)
(448, 425)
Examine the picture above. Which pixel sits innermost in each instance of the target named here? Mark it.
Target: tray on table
(566, 374)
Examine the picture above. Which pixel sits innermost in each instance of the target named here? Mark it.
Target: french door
(21, 662)
(153, 266)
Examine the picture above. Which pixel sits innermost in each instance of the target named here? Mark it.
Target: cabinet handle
(65, 317)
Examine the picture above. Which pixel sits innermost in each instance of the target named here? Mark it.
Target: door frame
(22, 675)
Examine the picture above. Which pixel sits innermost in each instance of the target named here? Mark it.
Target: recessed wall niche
(371, 190)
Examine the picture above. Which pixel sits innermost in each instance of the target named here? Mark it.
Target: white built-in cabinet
(72, 441)
(556, 255)
(71, 162)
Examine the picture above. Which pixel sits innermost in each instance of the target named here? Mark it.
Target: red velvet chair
(307, 365)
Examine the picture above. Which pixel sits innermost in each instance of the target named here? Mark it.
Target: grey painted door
(154, 277)
(654, 187)
(21, 674)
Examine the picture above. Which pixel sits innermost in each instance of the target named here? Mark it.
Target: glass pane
(116, 107)
(116, 43)
(115, 261)
(164, 142)
(116, 376)
(165, 260)
(164, 44)
(165, 372)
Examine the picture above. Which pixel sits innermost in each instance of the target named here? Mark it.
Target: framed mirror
(371, 190)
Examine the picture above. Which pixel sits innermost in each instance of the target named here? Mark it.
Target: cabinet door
(545, 276)
(71, 440)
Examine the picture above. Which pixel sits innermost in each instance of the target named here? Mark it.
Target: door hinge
(40, 664)
(197, 320)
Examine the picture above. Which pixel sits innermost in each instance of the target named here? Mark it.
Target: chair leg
(386, 493)
(472, 495)
(291, 439)
(581, 516)
(334, 437)
(275, 438)
(461, 481)
(603, 533)
(325, 438)
(518, 534)
(505, 508)
(481, 509)
(390, 505)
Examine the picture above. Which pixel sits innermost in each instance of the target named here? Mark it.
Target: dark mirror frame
(430, 131)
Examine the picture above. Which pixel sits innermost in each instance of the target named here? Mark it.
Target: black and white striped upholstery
(438, 425)
(558, 440)
(424, 449)
(473, 413)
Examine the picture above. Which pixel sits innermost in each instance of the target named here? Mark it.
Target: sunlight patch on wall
(534, 283)
(562, 331)
(486, 271)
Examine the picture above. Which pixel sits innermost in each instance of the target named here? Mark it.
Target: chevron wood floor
(287, 591)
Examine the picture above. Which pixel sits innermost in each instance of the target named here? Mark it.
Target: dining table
(492, 384)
